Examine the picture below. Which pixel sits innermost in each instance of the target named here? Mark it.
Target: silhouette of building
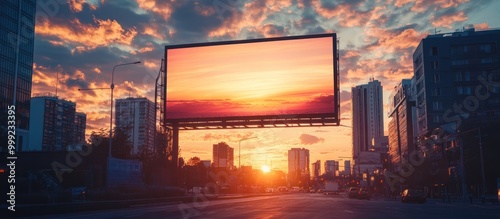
(367, 120)
(347, 167)
(80, 125)
(316, 167)
(17, 28)
(223, 155)
(402, 126)
(52, 124)
(136, 117)
(331, 167)
(298, 166)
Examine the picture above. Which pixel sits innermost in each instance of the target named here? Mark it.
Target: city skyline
(83, 41)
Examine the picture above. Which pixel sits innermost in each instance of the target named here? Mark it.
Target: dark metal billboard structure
(173, 125)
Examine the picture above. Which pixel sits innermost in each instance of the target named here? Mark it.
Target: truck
(331, 187)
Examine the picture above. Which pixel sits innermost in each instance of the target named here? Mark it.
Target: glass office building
(17, 25)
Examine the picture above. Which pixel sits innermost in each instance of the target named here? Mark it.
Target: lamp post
(111, 113)
(239, 149)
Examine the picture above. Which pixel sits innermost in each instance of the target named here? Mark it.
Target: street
(297, 205)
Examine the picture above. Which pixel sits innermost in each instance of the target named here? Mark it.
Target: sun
(266, 169)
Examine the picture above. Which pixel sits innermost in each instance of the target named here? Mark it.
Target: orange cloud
(77, 5)
(481, 26)
(152, 30)
(423, 5)
(346, 15)
(162, 9)
(391, 41)
(448, 20)
(86, 36)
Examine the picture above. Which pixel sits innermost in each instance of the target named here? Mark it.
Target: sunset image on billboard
(276, 77)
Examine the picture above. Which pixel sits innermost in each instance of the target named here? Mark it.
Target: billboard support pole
(175, 145)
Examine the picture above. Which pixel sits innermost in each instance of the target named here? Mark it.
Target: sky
(78, 42)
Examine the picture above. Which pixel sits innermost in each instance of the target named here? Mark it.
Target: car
(353, 192)
(363, 193)
(413, 195)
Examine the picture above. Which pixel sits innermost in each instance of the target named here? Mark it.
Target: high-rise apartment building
(223, 155)
(367, 115)
(457, 90)
(367, 124)
(347, 167)
(331, 167)
(298, 165)
(454, 75)
(80, 125)
(136, 117)
(17, 31)
(402, 126)
(316, 169)
(52, 124)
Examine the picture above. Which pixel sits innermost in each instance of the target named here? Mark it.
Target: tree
(194, 161)
(121, 147)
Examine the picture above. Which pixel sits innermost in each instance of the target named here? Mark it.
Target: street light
(111, 113)
(239, 149)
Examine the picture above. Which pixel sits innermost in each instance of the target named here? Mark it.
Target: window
(434, 51)
(458, 76)
(485, 48)
(467, 76)
(486, 60)
(436, 78)
(467, 90)
(437, 105)
(436, 92)
(434, 65)
(436, 118)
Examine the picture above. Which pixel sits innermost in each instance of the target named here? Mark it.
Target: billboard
(252, 78)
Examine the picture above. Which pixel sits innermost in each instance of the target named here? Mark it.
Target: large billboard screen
(259, 77)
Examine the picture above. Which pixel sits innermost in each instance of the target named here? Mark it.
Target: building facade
(367, 118)
(331, 167)
(80, 126)
(52, 124)
(347, 167)
(457, 84)
(316, 169)
(223, 156)
(450, 67)
(402, 126)
(16, 68)
(136, 117)
(298, 166)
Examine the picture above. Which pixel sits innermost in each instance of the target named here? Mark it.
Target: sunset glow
(77, 44)
(294, 76)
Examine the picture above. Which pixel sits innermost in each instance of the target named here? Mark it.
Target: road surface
(296, 205)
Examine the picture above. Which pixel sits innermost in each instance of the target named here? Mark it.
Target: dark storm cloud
(77, 83)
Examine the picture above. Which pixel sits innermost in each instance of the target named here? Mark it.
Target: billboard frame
(265, 121)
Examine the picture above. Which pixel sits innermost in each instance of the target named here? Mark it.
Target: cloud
(81, 37)
(307, 139)
(448, 20)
